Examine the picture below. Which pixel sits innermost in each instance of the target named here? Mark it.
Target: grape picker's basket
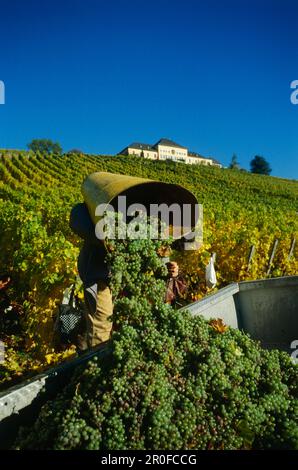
(102, 189)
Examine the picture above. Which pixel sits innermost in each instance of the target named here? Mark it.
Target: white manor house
(166, 149)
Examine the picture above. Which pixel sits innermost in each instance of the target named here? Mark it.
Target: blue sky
(213, 75)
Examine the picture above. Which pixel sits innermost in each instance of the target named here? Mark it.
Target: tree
(45, 146)
(234, 165)
(260, 166)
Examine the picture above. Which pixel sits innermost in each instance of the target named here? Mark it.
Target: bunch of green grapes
(170, 380)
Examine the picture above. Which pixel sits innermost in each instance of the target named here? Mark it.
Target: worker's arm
(91, 261)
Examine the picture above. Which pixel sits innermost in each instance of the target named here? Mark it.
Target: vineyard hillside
(39, 251)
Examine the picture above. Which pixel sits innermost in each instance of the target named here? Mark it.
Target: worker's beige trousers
(99, 308)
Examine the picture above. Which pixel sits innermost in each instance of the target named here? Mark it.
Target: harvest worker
(176, 285)
(94, 274)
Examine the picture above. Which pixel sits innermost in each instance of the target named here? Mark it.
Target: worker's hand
(173, 269)
(4, 283)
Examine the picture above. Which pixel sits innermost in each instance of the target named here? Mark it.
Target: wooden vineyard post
(252, 252)
(292, 248)
(272, 256)
(291, 252)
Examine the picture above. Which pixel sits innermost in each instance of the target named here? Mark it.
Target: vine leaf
(218, 325)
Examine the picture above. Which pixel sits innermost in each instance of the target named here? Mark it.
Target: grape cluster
(171, 381)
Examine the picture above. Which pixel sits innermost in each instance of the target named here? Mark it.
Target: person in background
(176, 285)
